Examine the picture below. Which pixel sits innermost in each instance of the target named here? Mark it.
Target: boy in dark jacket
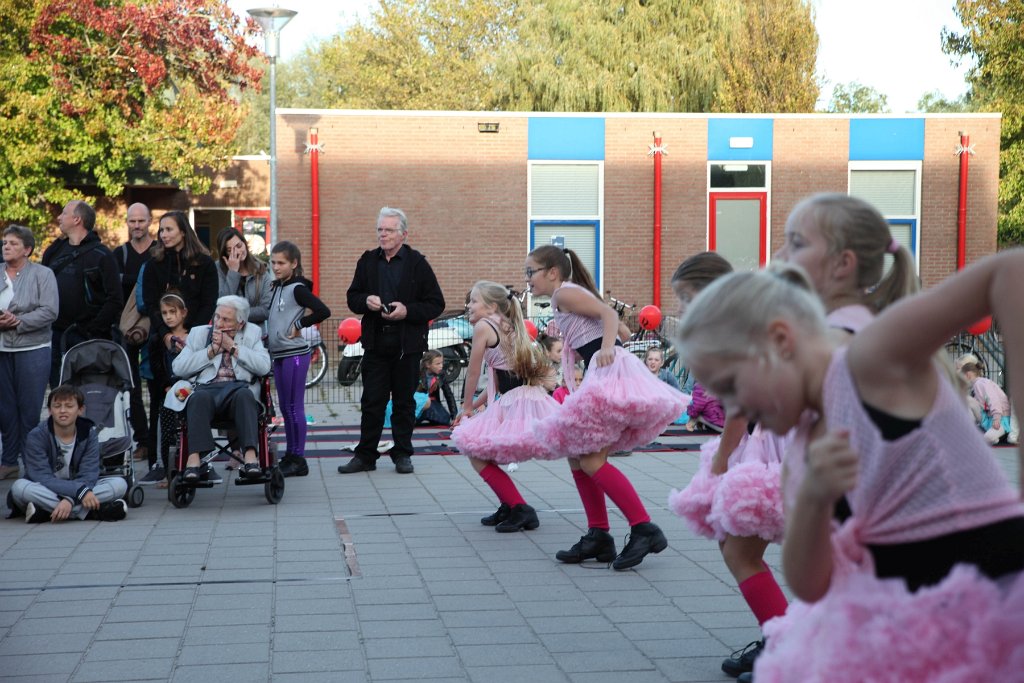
(62, 468)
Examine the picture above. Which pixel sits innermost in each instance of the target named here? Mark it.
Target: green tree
(769, 60)
(993, 38)
(855, 98)
(93, 87)
(935, 102)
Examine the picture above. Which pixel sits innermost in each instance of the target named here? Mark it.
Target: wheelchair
(181, 493)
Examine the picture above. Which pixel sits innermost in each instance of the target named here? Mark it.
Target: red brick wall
(465, 192)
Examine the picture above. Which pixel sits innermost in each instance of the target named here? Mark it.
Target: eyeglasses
(387, 231)
(530, 272)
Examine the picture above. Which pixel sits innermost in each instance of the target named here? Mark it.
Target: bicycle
(317, 365)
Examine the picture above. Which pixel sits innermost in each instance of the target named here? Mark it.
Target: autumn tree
(94, 88)
(856, 98)
(768, 59)
(993, 37)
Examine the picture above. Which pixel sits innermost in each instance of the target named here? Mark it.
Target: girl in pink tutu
(619, 405)
(842, 242)
(903, 538)
(502, 433)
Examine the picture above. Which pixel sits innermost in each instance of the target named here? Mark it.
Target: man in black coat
(88, 283)
(396, 292)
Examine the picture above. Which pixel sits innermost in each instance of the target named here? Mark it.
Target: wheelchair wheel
(136, 495)
(317, 365)
(274, 489)
(179, 494)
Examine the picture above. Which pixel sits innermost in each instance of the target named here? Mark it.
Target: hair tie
(511, 295)
(893, 247)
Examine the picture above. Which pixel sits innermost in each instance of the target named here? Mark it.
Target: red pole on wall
(314, 181)
(657, 150)
(965, 151)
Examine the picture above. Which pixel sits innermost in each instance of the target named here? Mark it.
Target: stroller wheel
(136, 495)
(274, 489)
(179, 493)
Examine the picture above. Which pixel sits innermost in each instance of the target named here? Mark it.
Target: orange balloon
(350, 330)
(650, 317)
(981, 327)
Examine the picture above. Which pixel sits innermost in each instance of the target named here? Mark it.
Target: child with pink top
(993, 405)
(842, 241)
(904, 541)
(493, 432)
(704, 409)
(619, 405)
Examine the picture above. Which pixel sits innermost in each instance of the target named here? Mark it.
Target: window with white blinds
(892, 191)
(579, 238)
(565, 189)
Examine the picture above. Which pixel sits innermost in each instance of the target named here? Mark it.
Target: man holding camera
(396, 292)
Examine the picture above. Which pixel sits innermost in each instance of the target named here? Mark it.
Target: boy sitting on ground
(62, 468)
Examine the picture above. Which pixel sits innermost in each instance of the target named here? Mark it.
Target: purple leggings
(290, 378)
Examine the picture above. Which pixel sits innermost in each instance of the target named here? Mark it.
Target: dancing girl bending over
(618, 406)
(502, 432)
(904, 541)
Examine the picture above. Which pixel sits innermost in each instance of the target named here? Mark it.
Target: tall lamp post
(272, 20)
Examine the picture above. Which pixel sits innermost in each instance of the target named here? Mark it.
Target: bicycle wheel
(317, 365)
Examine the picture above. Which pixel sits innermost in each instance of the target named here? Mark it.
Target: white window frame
(906, 165)
(767, 189)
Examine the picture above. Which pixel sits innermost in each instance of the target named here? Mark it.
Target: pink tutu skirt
(503, 433)
(618, 406)
(966, 629)
(746, 500)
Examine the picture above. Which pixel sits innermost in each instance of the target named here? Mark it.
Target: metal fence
(453, 342)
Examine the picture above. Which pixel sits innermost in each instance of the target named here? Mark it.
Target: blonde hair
(523, 355)
(851, 223)
(730, 317)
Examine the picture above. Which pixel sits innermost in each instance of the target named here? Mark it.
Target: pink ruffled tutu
(746, 500)
(966, 629)
(618, 406)
(503, 433)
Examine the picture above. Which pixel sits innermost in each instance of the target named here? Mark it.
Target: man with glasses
(396, 292)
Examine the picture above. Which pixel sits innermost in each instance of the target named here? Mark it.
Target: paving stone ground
(369, 577)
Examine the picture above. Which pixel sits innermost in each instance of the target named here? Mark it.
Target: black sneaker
(209, 475)
(498, 516)
(596, 544)
(357, 465)
(747, 677)
(523, 517)
(34, 515)
(111, 511)
(644, 538)
(742, 661)
(293, 466)
(155, 475)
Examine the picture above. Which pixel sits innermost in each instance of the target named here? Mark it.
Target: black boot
(498, 516)
(595, 544)
(644, 538)
(742, 661)
(523, 517)
(293, 466)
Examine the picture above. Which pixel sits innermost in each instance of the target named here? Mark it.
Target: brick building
(481, 189)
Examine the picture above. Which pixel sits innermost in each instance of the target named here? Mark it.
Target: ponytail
(900, 281)
(568, 264)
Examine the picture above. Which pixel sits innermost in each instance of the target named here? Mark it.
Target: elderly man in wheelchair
(225, 361)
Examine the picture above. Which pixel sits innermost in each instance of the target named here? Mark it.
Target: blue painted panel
(720, 130)
(566, 138)
(886, 139)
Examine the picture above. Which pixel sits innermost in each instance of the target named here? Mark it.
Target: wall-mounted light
(487, 127)
(741, 143)
(735, 168)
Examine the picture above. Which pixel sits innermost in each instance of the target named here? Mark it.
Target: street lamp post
(272, 20)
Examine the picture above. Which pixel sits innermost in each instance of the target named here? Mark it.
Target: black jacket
(88, 284)
(418, 291)
(196, 280)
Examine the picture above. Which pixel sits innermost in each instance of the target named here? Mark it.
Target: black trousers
(137, 410)
(242, 408)
(387, 373)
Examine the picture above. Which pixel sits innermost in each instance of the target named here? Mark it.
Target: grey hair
(24, 234)
(240, 304)
(730, 318)
(389, 212)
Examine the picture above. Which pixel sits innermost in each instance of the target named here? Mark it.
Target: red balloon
(531, 329)
(349, 330)
(981, 327)
(650, 317)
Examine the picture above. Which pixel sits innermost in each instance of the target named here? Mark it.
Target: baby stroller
(99, 368)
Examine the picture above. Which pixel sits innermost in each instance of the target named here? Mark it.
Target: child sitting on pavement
(62, 468)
